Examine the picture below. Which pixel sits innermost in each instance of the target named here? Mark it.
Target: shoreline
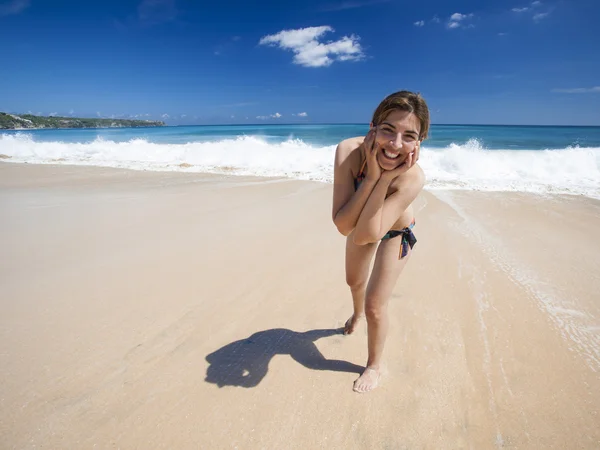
(186, 168)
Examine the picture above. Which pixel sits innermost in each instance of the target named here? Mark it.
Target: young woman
(376, 180)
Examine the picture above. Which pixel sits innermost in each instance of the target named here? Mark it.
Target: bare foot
(367, 381)
(351, 324)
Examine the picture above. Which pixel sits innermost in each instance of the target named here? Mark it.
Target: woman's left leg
(386, 270)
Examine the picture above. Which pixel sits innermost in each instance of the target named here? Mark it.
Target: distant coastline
(31, 122)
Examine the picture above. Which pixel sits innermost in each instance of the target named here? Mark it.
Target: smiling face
(397, 135)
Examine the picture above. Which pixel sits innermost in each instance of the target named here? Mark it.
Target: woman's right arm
(347, 204)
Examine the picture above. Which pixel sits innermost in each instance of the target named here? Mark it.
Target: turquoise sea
(545, 159)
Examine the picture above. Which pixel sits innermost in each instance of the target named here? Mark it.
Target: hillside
(28, 121)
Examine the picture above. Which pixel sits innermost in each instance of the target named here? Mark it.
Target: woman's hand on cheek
(389, 175)
(417, 152)
(371, 150)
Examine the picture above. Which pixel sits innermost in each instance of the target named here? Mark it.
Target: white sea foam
(577, 326)
(468, 166)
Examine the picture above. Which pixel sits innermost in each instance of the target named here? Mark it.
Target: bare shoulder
(345, 149)
(414, 177)
(419, 175)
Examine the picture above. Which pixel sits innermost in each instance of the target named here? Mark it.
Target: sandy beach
(179, 310)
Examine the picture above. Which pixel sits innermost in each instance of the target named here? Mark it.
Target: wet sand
(178, 310)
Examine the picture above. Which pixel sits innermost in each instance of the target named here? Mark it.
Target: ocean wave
(570, 170)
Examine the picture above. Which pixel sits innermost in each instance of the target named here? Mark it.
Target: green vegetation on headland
(28, 121)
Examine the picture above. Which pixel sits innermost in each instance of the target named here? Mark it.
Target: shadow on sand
(245, 362)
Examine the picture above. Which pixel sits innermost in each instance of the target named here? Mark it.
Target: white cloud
(71, 112)
(502, 34)
(165, 116)
(14, 7)
(302, 114)
(272, 116)
(98, 113)
(595, 90)
(458, 17)
(457, 20)
(531, 7)
(436, 19)
(419, 23)
(309, 52)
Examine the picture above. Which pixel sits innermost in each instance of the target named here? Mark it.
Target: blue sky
(330, 61)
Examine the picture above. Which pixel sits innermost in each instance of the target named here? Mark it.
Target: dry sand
(176, 310)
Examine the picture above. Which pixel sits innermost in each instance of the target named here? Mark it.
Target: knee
(356, 283)
(375, 310)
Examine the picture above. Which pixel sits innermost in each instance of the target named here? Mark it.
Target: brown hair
(404, 101)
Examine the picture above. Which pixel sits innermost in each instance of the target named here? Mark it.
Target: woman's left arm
(380, 213)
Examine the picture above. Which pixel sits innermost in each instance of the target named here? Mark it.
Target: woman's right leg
(358, 260)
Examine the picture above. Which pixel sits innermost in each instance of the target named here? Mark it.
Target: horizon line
(366, 124)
